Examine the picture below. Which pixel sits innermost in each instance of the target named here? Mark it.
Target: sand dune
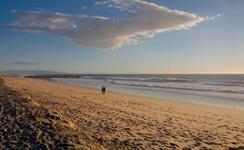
(41, 113)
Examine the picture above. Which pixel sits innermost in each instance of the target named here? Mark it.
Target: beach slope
(40, 113)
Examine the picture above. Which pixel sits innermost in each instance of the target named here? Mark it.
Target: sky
(123, 36)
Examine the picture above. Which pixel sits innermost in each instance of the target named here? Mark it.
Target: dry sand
(55, 115)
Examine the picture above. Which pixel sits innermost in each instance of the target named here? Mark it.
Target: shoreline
(119, 121)
(207, 104)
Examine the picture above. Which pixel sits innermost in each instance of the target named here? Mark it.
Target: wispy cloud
(214, 17)
(144, 20)
(24, 63)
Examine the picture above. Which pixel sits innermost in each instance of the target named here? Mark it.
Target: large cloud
(144, 20)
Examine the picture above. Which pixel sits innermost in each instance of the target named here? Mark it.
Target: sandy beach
(37, 113)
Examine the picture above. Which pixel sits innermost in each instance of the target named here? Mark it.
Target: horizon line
(60, 72)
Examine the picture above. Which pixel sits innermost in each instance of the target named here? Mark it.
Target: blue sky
(212, 45)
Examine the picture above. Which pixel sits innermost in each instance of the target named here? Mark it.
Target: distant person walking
(103, 89)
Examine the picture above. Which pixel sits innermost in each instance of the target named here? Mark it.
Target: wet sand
(57, 115)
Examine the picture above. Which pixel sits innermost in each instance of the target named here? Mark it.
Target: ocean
(215, 90)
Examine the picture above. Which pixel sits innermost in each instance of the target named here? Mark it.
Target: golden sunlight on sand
(82, 118)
